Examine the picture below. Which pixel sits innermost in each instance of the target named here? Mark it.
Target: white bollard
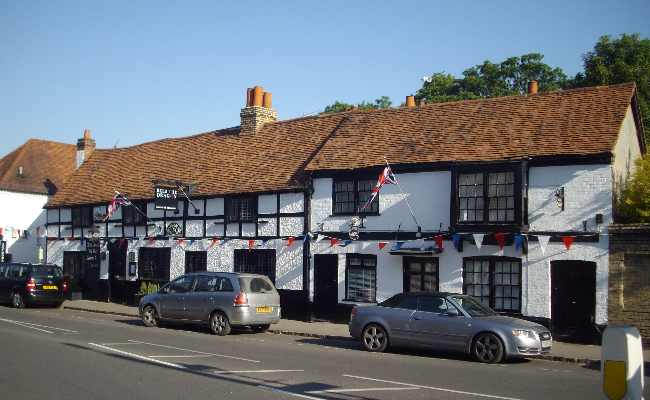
(621, 363)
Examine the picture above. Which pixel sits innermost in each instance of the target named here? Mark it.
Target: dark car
(220, 299)
(22, 283)
(447, 321)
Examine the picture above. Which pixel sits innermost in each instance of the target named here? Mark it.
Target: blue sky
(137, 71)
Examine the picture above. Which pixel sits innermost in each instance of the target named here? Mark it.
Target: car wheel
(58, 305)
(219, 324)
(150, 316)
(260, 328)
(487, 348)
(17, 301)
(374, 337)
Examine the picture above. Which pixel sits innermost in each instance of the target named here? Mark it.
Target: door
(573, 300)
(172, 302)
(200, 300)
(117, 274)
(431, 325)
(325, 285)
(420, 273)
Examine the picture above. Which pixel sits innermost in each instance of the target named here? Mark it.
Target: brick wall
(252, 118)
(629, 277)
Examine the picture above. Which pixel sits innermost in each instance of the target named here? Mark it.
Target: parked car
(221, 299)
(447, 321)
(23, 283)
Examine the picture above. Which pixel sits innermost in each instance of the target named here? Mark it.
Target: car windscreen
(474, 307)
(256, 284)
(46, 271)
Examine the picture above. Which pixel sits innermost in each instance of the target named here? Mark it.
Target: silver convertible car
(447, 321)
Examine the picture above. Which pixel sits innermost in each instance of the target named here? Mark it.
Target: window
(436, 305)
(350, 197)
(205, 283)
(196, 261)
(180, 285)
(256, 262)
(82, 216)
(361, 277)
(154, 264)
(495, 281)
(74, 263)
(240, 209)
(420, 274)
(131, 215)
(486, 197)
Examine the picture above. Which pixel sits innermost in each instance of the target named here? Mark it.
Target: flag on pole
(115, 204)
(386, 176)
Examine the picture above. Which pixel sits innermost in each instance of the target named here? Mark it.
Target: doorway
(573, 300)
(117, 272)
(325, 285)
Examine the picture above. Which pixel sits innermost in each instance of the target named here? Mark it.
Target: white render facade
(23, 220)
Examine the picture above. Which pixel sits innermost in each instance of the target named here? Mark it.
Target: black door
(325, 285)
(117, 273)
(573, 300)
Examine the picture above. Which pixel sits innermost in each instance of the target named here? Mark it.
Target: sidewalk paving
(564, 352)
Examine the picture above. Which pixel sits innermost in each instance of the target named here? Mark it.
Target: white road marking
(33, 326)
(193, 351)
(359, 390)
(188, 356)
(258, 371)
(432, 388)
(138, 356)
(116, 344)
(285, 392)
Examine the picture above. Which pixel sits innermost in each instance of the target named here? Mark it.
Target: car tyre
(150, 316)
(487, 348)
(17, 300)
(219, 324)
(260, 328)
(374, 338)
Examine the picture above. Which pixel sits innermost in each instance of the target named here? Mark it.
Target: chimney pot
(86, 133)
(258, 96)
(354, 108)
(532, 87)
(410, 101)
(249, 97)
(421, 103)
(267, 100)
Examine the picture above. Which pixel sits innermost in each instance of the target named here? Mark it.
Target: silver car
(447, 321)
(220, 299)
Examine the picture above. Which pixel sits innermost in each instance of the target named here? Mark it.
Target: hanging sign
(166, 198)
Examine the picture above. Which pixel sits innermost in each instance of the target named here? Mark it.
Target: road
(66, 354)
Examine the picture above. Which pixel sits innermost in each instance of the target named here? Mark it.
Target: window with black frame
(495, 281)
(256, 262)
(131, 215)
(361, 277)
(240, 209)
(196, 261)
(74, 263)
(486, 197)
(82, 216)
(351, 195)
(154, 264)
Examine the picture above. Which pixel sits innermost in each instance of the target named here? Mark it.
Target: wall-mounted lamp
(599, 219)
(355, 224)
(132, 256)
(559, 198)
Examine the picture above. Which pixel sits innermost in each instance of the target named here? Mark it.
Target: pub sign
(166, 198)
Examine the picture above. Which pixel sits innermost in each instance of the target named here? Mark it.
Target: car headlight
(522, 333)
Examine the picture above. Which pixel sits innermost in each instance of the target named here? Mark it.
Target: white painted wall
(23, 211)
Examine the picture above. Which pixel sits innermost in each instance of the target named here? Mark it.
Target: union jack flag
(115, 204)
(385, 177)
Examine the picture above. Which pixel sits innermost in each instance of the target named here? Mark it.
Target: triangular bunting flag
(38, 228)
(305, 239)
(150, 240)
(214, 241)
(519, 239)
(192, 241)
(180, 241)
(398, 245)
(419, 243)
(291, 239)
(478, 238)
(568, 240)
(251, 244)
(264, 241)
(382, 244)
(501, 239)
(438, 240)
(50, 240)
(81, 240)
(223, 241)
(364, 245)
(121, 242)
(456, 237)
(333, 241)
(543, 242)
(319, 238)
(347, 242)
(71, 239)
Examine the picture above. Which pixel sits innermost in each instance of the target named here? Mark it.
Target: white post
(621, 363)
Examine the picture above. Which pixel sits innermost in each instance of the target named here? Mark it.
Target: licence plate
(546, 343)
(263, 309)
(49, 287)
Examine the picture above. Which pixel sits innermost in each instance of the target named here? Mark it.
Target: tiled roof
(46, 166)
(282, 154)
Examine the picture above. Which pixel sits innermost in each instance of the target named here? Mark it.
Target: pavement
(562, 352)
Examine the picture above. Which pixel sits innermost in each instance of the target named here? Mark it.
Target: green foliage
(633, 202)
(382, 102)
(74, 283)
(507, 78)
(618, 61)
(148, 288)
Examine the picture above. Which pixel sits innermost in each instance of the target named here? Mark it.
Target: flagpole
(404, 196)
(140, 211)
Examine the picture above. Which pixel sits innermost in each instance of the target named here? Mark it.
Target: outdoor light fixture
(559, 198)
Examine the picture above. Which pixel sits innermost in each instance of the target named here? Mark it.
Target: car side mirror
(453, 312)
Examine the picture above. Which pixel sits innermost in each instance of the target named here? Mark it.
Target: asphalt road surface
(65, 354)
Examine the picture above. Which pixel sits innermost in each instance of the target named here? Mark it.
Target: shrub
(148, 287)
(633, 200)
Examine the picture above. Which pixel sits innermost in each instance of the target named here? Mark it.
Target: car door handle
(208, 299)
(416, 318)
(181, 299)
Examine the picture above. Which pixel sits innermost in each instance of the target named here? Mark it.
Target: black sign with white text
(166, 198)
(93, 259)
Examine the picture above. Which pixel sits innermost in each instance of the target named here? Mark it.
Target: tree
(507, 78)
(633, 200)
(382, 102)
(618, 61)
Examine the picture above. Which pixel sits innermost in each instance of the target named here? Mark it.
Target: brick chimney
(85, 147)
(257, 112)
(532, 87)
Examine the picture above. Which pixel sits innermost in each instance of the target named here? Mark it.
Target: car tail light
(31, 285)
(241, 299)
(353, 313)
(65, 286)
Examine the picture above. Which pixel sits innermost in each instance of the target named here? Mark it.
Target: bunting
(478, 239)
(398, 245)
(456, 237)
(382, 245)
(568, 240)
(333, 241)
(251, 243)
(214, 241)
(501, 239)
(438, 240)
(543, 242)
(519, 239)
(291, 239)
